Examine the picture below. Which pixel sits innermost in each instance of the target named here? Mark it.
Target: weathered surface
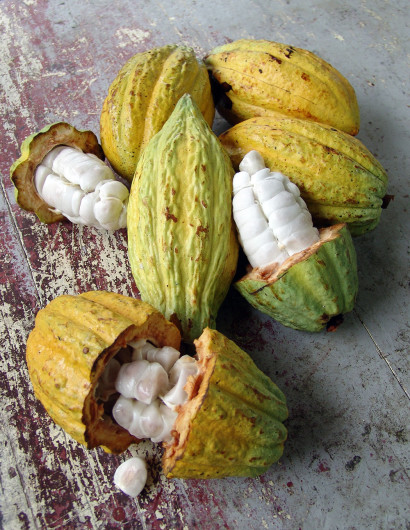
(346, 461)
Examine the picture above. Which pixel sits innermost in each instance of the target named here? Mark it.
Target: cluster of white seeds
(82, 188)
(272, 219)
(151, 388)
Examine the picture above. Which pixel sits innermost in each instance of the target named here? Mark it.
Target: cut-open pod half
(61, 174)
(230, 423)
(312, 288)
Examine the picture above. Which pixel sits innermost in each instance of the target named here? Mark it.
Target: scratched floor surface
(345, 464)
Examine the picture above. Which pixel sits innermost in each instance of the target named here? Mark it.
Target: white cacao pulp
(272, 219)
(82, 188)
(150, 389)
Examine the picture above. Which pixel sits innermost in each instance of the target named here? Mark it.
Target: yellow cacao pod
(67, 351)
(338, 177)
(142, 97)
(258, 77)
(181, 238)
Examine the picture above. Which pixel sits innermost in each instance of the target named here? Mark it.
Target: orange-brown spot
(170, 216)
(201, 229)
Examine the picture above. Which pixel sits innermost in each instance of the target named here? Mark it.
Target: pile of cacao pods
(301, 116)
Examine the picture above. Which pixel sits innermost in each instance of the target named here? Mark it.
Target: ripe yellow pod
(258, 77)
(142, 97)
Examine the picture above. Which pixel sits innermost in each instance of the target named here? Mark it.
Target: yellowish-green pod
(338, 177)
(142, 97)
(231, 424)
(311, 289)
(181, 238)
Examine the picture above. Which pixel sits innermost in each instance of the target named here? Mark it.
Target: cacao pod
(181, 237)
(33, 150)
(312, 288)
(338, 177)
(258, 77)
(73, 339)
(231, 423)
(142, 97)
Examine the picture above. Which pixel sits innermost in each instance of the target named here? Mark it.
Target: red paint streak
(323, 466)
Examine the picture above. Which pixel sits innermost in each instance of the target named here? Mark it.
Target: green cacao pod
(181, 238)
(67, 351)
(142, 97)
(312, 288)
(33, 150)
(258, 77)
(231, 424)
(338, 177)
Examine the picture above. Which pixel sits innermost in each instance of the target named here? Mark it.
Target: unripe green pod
(181, 239)
(312, 288)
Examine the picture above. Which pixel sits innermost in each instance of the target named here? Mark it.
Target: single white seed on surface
(131, 476)
(82, 188)
(272, 219)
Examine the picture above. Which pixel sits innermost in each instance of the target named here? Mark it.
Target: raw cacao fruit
(231, 423)
(181, 238)
(312, 288)
(257, 77)
(73, 339)
(338, 177)
(33, 150)
(142, 97)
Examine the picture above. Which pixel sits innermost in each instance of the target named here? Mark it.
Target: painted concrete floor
(345, 463)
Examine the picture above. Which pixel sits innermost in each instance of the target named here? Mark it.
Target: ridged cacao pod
(33, 150)
(181, 237)
(231, 424)
(312, 288)
(338, 177)
(142, 97)
(258, 77)
(73, 339)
